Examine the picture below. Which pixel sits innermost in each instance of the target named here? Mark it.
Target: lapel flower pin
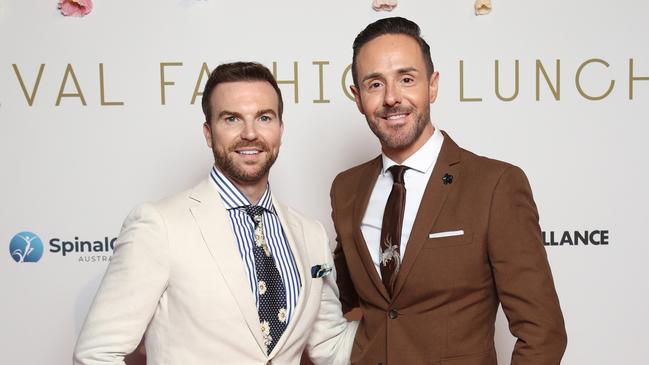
(320, 271)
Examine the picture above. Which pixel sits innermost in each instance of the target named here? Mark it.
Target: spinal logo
(26, 247)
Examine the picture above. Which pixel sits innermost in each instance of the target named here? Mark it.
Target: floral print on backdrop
(75, 7)
(483, 7)
(384, 5)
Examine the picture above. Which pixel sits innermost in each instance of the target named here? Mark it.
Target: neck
(401, 154)
(252, 190)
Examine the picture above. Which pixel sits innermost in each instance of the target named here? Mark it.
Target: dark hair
(238, 71)
(394, 25)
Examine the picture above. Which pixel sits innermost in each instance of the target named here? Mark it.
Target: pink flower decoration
(384, 5)
(75, 7)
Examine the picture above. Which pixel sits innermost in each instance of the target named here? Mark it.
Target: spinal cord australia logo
(26, 247)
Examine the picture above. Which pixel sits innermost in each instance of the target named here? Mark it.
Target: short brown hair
(238, 71)
(394, 25)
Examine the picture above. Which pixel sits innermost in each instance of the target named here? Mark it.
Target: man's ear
(357, 98)
(432, 86)
(207, 132)
(281, 132)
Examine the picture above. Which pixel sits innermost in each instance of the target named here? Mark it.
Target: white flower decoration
(282, 315)
(259, 238)
(265, 328)
(267, 341)
(261, 285)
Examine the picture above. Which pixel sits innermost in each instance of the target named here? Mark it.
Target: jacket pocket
(482, 358)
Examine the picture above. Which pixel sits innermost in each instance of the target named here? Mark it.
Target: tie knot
(255, 212)
(397, 172)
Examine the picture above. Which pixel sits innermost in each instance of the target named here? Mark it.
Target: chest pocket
(449, 241)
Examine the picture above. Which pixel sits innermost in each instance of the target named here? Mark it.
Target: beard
(397, 137)
(237, 171)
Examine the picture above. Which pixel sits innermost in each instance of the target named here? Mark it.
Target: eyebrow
(406, 70)
(229, 113)
(373, 75)
(238, 115)
(400, 71)
(266, 111)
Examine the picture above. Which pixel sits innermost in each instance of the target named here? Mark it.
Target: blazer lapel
(363, 193)
(214, 223)
(294, 232)
(431, 204)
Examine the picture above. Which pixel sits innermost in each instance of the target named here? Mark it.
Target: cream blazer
(176, 277)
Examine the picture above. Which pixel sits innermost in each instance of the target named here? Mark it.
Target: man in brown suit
(430, 252)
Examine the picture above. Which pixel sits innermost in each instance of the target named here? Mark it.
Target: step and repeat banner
(101, 112)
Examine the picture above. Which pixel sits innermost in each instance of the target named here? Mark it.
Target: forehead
(244, 96)
(389, 52)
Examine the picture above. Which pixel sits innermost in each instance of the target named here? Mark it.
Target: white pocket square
(446, 234)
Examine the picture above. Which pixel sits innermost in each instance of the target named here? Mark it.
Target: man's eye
(231, 119)
(374, 85)
(265, 118)
(408, 80)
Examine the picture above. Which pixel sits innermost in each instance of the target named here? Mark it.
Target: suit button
(393, 314)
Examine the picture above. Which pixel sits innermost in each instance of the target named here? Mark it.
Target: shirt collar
(423, 159)
(233, 198)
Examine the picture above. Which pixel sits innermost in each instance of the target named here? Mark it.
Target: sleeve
(348, 295)
(127, 298)
(332, 336)
(522, 273)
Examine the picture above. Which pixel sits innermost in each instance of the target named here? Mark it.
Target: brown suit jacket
(448, 289)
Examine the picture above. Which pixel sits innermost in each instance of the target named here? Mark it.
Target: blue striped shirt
(244, 228)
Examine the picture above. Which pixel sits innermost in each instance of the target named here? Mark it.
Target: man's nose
(392, 95)
(249, 131)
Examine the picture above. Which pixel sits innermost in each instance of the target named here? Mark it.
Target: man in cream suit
(222, 273)
(431, 237)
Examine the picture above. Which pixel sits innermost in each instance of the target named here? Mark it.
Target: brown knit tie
(390, 257)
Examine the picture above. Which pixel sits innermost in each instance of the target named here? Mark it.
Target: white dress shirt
(416, 178)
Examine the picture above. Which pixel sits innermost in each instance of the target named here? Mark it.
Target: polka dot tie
(272, 294)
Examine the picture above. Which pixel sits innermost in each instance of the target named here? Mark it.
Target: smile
(396, 116)
(396, 120)
(248, 152)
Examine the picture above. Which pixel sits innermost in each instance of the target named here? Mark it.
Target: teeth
(398, 116)
(248, 152)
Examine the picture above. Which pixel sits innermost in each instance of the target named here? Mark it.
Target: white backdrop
(73, 171)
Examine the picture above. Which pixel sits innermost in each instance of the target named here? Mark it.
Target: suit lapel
(295, 236)
(214, 223)
(431, 204)
(363, 193)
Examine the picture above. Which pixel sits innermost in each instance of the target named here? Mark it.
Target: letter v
(29, 97)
